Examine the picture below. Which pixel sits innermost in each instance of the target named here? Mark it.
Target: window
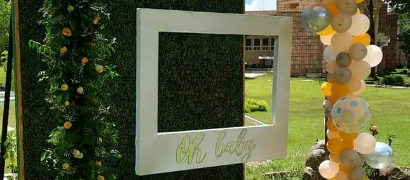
(257, 44)
(265, 44)
(248, 44)
(272, 44)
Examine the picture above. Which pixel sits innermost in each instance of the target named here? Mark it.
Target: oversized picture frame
(175, 151)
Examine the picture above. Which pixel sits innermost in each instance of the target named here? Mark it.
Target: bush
(393, 79)
(252, 105)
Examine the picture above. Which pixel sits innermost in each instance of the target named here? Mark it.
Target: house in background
(259, 51)
(307, 51)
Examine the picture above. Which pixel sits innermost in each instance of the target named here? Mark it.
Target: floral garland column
(76, 50)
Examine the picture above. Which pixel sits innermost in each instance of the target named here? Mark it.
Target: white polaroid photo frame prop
(176, 151)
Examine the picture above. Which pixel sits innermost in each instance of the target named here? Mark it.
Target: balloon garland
(349, 58)
(75, 50)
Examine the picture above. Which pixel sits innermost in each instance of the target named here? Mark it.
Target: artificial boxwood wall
(200, 84)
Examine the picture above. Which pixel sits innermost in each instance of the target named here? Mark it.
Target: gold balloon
(328, 31)
(364, 39)
(341, 22)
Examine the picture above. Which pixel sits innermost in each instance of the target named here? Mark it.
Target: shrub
(252, 105)
(393, 79)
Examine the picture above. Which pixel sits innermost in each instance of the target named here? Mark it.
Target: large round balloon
(365, 143)
(360, 69)
(315, 18)
(351, 114)
(325, 170)
(341, 22)
(330, 53)
(342, 75)
(342, 41)
(358, 51)
(381, 157)
(333, 134)
(360, 24)
(374, 55)
(350, 159)
(346, 5)
(357, 173)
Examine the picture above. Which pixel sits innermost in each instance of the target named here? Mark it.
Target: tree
(4, 24)
(402, 8)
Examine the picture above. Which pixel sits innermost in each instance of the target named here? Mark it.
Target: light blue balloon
(315, 18)
(381, 158)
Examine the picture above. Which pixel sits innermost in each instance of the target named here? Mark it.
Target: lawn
(389, 107)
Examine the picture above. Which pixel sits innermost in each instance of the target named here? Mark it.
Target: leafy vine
(76, 49)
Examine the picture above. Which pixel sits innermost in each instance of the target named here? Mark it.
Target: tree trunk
(372, 34)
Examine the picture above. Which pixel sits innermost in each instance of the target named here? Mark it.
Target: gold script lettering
(189, 148)
(242, 147)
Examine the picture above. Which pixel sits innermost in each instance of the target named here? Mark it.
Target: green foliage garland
(75, 49)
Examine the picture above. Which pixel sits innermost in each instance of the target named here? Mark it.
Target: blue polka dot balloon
(315, 18)
(351, 114)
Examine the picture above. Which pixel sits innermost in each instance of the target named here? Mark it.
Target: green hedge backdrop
(200, 84)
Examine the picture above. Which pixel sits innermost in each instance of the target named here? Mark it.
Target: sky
(259, 5)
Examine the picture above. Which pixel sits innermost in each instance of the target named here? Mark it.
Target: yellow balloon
(359, 1)
(326, 88)
(344, 169)
(358, 10)
(330, 125)
(348, 145)
(348, 137)
(328, 31)
(364, 39)
(332, 8)
(335, 146)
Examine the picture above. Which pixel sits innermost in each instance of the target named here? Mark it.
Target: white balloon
(325, 170)
(342, 41)
(360, 24)
(365, 143)
(360, 69)
(356, 86)
(374, 55)
(331, 66)
(330, 53)
(327, 40)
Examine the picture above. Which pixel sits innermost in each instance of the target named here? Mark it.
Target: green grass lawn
(389, 107)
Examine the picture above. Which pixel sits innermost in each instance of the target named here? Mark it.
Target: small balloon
(315, 18)
(342, 75)
(356, 86)
(334, 157)
(358, 51)
(365, 143)
(335, 146)
(326, 88)
(327, 106)
(348, 137)
(360, 69)
(354, 11)
(351, 114)
(364, 39)
(357, 173)
(359, 1)
(360, 24)
(343, 59)
(381, 157)
(341, 22)
(330, 78)
(341, 176)
(346, 5)
(327, 40)
(374, 55)
(325, 170)
(330, 53)
(333, 134)
(331, 67)
(342, 41)
(338, 91)
(350, 159)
